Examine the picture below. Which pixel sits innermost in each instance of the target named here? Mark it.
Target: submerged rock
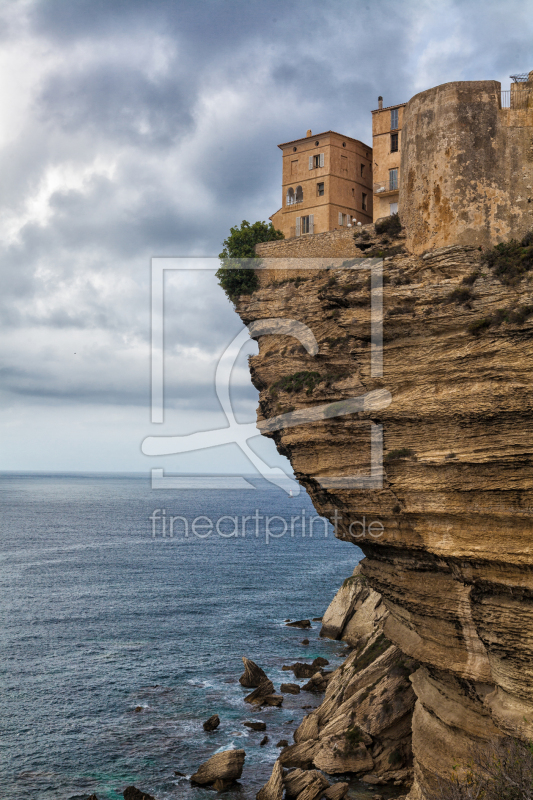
(252, 675)
(263, 741)
(132, 793)
(212, 723)
(289, 688)
(222, 768)
(300, 623)
(256, 726)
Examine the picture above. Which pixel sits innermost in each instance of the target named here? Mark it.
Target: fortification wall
(319, 245)
(467, 167)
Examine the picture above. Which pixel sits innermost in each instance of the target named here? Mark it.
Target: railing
(386, 186)
(517, 99)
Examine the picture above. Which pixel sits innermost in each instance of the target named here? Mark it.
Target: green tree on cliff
(240, 244)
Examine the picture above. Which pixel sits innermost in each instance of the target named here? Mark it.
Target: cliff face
(453, 563)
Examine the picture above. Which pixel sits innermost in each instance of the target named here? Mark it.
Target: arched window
(290, 196)
(299, 194)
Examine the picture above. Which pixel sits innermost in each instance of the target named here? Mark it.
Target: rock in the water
(337, 791)
(320, 662)
(132, 793)
(282, 743)
(256, 726)
(179, 774)
(305, 784)
(212, 723)
(317, 619)
(317, 684)
(225, 766)
(273, 789)
(273, 700)
(256, 698)
(300, 623)
(263, 741)
(305, 641)
(303, 670)
(252, 675)
(92, 797)
(289, 688)
(138, 708)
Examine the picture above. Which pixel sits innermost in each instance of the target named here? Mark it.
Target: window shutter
(321, 159)
(298, 226)
(310, 162)
(340, 217)
(311, 223)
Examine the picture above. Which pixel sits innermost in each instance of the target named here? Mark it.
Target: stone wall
(319, 245)
(466, 175)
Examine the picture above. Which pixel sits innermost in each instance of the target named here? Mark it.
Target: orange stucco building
(386, 148)
(327, 182)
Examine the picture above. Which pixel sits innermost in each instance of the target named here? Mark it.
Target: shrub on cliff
(240, 244)
(511, 260)
(390, 225)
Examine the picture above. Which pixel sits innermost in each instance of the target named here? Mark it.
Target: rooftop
(318, 135)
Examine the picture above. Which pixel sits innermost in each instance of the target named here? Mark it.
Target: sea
(121, 635)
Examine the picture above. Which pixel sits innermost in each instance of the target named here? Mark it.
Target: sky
(139, 128)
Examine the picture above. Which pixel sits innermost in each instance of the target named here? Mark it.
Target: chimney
(380, 102)
(309, 133)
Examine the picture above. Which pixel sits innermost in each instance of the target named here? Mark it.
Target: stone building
(467, 164)
(327, 182)
(386, 145)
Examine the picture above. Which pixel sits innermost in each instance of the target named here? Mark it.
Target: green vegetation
(403, 452)
(240, 244)
(461, 294)
(510, 261)
(371, 653)
(515, 315)
(354, 736)
(390, 225)
(395, 758)
(298, 381)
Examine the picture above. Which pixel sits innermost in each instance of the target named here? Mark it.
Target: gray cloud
(149, 128)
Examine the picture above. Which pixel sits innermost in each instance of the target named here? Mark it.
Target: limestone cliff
(453, 564)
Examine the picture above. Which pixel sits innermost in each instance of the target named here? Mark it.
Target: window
(299, 194)
(394, 142)
(290, 197)
(362, 170)
(393, 208)
(393, 179)
(364, 202)
(294, 167)
(394, 119)
(320, 190)
(345, 219)
(353, 192)
(316, 161)
(305, 225)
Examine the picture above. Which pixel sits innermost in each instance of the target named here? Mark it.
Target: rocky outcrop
(212, 723)
(132, 793)
(221, 770)
(252, 675)
(451, 556)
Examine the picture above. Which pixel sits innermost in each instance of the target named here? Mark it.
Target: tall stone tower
(467, 164)
(327, 182)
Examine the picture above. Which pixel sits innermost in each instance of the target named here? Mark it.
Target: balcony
(518, 99)
(386, 188)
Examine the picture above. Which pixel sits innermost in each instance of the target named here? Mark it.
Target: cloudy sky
(134, 128)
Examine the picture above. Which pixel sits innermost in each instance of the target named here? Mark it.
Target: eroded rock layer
(453, 562)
